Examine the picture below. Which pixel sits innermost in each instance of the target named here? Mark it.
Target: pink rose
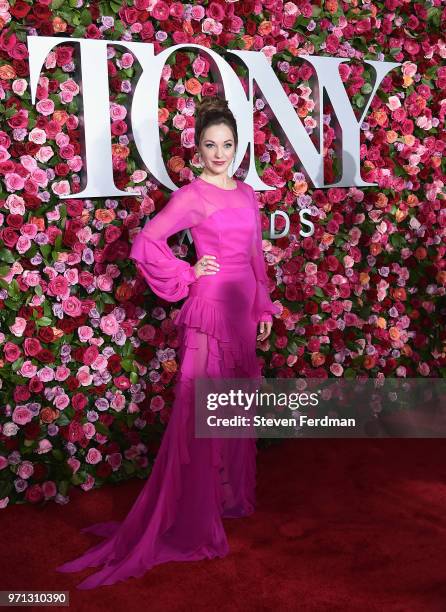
(14, 182)
(100, 363)
(85, 333)
(104, 282)
(187, 138)
(45, 374)
(61, 188)
(19, 87)
(75, 164)
(74, 464)
(118, 402)
(49, 489)
(22, 415)
(88, 484)
(156, 403)
(44, 446)
(72, 276)
(109, 325)
(11, 351)
(336, 369)
(37, 135)
(93, 456)
(62, 401)
(89, 430)
(25, 469)
(58, 286)
(19, 326)
(117, 112)
(40, 177)
(72, 306)
(45, 107)
(62, 372)
(84, 376)
(23, 244)
(28, 370)
(160, 11)
(115, 460)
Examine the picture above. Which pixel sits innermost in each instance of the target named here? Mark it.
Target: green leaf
(57, 454)
(45, 249)
(43, 322)
(85, 17)
(127, 365)
(6, 255)
(17, 364)
(102, 429)
(349, 373)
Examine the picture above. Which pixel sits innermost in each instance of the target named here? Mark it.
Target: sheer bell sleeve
(167, 275)
(263, 306)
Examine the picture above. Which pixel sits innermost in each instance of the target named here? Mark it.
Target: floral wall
(87, 352)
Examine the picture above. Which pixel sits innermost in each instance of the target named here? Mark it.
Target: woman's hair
(213, 110)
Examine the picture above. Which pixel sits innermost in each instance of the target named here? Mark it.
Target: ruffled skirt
(195, 482)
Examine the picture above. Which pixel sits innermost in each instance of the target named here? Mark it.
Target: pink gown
(195, 482)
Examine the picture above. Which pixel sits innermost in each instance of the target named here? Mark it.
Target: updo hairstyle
(213, 110)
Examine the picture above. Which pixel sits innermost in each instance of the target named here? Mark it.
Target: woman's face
(217, 145)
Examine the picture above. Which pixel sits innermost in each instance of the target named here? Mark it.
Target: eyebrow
(209, 140)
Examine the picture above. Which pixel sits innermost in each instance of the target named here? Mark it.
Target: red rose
(92, 32)
(75, 431)
(19, 120)
(9, 237)
(147, 31)
(52, 232)
(14, 221)
(32, 430)
(90, 354)
(21, 393)
(72, 383)
(103, 470)
(34, 493)
(79, 401)
(40, 472)
(32, 346)
(35, 385)
(112, 233)
(74, 207)
(114, 364)
(61, 169)
(46, 334)
(45, 356)
(20, 9)
(64, 55)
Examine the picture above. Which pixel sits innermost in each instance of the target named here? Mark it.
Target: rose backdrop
(87, 351)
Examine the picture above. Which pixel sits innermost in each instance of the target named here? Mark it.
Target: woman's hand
(206, 265)
(265, 330)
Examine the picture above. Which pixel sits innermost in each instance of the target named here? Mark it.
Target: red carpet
(340, 525)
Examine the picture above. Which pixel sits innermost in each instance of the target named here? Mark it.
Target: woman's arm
(167, 275)
(263, 306)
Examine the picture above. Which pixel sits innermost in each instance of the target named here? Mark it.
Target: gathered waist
(226, 262)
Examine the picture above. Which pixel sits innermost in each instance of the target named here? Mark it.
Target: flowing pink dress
(195, 482)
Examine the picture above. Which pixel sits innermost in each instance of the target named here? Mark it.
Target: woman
(195, 482)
